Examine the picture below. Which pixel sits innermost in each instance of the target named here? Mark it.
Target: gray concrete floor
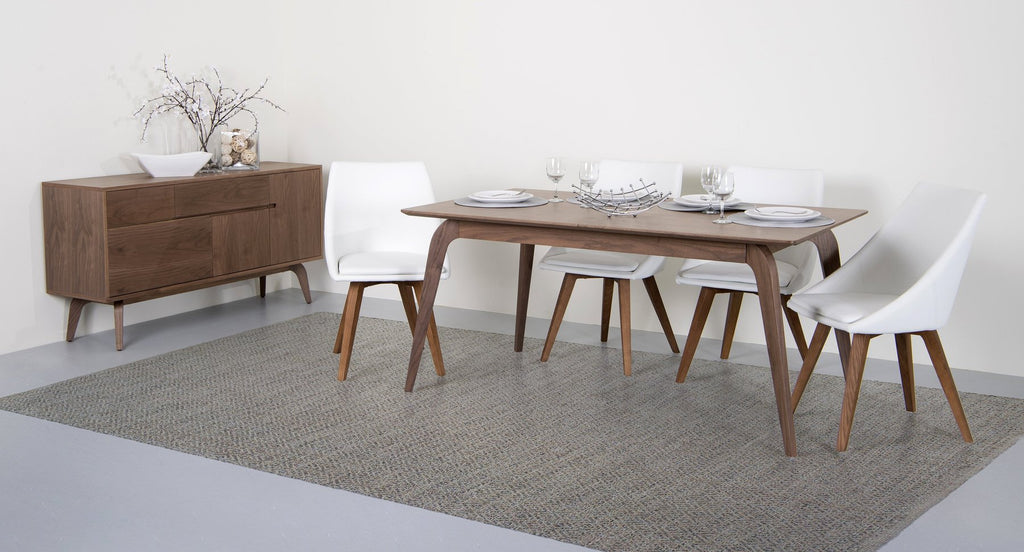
(63, 488)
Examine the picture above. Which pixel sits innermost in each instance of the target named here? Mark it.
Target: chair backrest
(363, 209)
(780, 186)
(787, 187)
(615, 175)
(918, 256)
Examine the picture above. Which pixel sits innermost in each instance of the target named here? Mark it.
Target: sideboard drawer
(150, 256)
(220, 196)
(139, 206)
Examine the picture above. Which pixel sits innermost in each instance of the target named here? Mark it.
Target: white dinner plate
(701, 200)
(782, 214)
(500, 196)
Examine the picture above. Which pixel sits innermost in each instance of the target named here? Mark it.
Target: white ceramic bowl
(179, 164)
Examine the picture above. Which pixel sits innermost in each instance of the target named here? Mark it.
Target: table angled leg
(828, 255)
(766, 274)
(828, 251)
(523, 299)
(445, 233)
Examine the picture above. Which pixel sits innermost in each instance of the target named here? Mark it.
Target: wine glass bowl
(722, 190)
(555, 171)
(589, 173)
(709, 176)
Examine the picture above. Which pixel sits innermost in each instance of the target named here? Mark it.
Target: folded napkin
(495, 194)
(783, 211)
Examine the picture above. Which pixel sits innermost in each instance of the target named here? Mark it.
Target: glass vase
(239, 150)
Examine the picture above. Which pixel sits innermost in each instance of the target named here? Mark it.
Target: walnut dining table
(654, 232)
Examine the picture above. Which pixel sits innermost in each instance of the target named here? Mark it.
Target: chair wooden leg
(659, 308)
(347, 330)
(843, 343)
(700, 317)
(935, 351)
(344, 312)
(731, 318)
(624, 323)
(794, 326)
(855, 374)
(433, 339)
(821, 332)
(606, 306)
(905, 355)
(408, 303)
(568, 281)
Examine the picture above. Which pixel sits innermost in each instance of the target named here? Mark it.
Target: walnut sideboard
(127, 238)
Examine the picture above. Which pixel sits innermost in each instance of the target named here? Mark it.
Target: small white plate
(701, 200)
(787, 214)
(500, 196)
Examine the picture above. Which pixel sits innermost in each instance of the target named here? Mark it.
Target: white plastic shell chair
(615, 268)
(796, 265)
(368, 241)
(904, 282)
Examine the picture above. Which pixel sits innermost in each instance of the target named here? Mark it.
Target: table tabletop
(653, 222)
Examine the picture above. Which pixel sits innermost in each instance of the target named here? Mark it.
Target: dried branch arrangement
(205, 101)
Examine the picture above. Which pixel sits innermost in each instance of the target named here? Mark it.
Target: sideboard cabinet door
(241, 241)
(296, 228)
(150, 256)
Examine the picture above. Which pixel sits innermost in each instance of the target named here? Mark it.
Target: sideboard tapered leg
(74, 313)
(119, 325)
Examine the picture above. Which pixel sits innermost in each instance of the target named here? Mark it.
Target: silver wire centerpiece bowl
(625, 201)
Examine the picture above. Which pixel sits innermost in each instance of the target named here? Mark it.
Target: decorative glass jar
(239, 150)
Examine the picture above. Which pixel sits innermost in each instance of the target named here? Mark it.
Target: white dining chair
(369, 241)
(796, 265)
(904, 282)
(615, 268)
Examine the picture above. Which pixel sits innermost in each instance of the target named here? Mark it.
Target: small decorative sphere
(226, 159)
(248, 156)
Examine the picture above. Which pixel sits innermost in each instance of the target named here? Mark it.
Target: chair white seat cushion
(585, 259)
(737, 276)
(841, 308)
(384, 266)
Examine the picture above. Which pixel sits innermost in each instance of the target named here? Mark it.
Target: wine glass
(556, 170)
(589, 172)
(723, 189)
(709, 176)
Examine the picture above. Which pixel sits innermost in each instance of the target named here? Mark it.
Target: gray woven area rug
(569, 449)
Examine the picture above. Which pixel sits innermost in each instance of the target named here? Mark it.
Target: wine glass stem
(721, 207)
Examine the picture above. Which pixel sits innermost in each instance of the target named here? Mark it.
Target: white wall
(878, 94)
